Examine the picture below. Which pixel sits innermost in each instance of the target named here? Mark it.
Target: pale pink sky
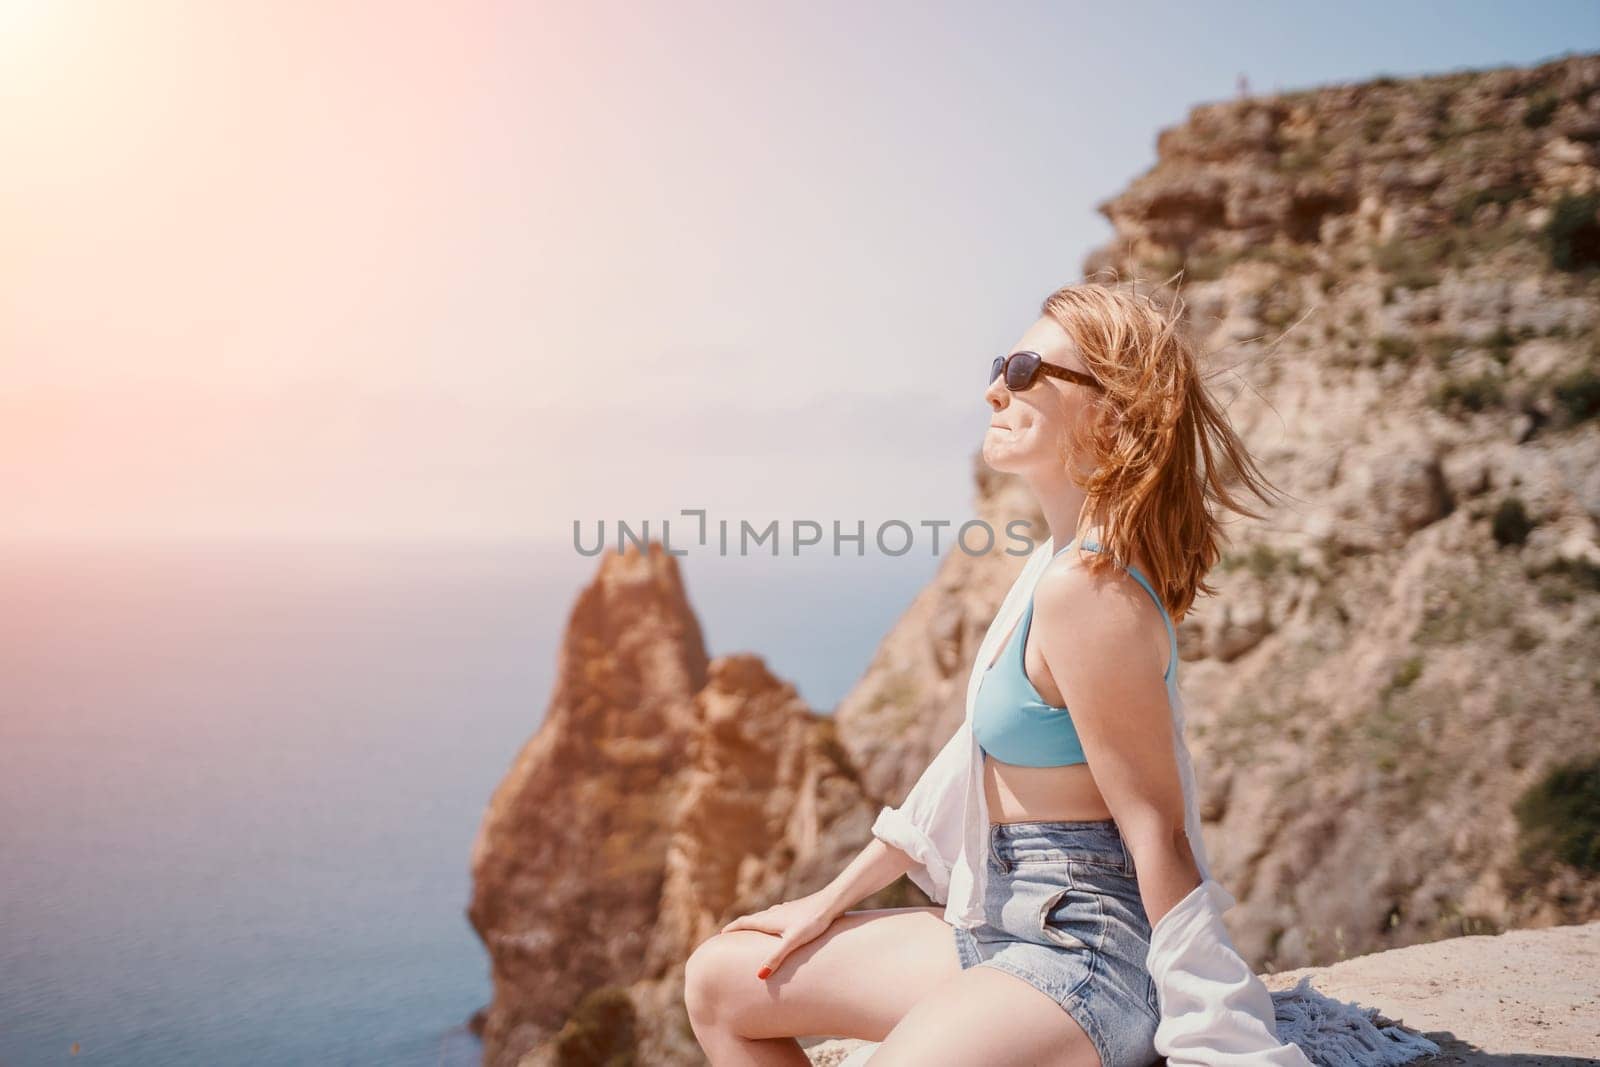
(475, 270)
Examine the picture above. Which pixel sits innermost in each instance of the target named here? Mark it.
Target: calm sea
(239, 785)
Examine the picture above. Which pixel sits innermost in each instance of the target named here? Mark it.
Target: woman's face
(1026, 429)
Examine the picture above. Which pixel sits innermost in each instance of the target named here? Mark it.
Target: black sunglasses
(1022, 368)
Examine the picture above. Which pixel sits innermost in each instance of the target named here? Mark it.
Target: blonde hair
(1151, 426)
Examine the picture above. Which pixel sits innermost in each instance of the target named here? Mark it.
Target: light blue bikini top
(1011, 720)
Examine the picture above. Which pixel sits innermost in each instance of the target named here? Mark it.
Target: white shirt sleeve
(1215, 1012)
(928, 825)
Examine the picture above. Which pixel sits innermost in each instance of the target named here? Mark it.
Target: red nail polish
(763, 972)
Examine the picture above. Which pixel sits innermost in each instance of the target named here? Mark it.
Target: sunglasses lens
(1020, 370)
(996, 367)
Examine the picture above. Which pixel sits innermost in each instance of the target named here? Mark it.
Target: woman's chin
(999, 458)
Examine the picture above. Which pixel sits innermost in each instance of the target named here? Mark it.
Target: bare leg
(856, 980)
(990, 1017)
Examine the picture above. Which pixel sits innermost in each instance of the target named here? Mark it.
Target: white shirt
(1214, 1009)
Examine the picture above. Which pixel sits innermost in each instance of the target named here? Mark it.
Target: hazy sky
(475, 270)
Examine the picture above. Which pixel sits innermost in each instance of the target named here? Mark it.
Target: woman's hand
(795, 922)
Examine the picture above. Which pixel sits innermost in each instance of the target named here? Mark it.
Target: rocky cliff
(664, 793)
(1400, 279)
(1395, 696)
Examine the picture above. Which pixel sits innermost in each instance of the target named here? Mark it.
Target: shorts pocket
(1072, 918)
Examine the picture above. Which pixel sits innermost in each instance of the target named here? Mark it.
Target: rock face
(1393, 699)
(1405, 653)
(570, 860)
(663, 794)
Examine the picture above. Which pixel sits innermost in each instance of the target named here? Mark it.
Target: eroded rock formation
(663, 794)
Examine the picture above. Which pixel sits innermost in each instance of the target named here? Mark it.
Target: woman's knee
(708, 975)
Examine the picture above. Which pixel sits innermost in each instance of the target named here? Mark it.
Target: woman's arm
(911, 839)
(1214, 1009)
(797, 922)
(874, 867)
(1094, 633)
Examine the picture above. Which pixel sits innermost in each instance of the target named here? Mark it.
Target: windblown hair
(1162, 446)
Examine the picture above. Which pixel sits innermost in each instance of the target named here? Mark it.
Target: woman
(1051, 838)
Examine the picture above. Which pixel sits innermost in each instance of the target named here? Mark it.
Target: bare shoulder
(1070, 587)
(1107, 613)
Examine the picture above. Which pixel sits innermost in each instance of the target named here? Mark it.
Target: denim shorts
(1063, 913)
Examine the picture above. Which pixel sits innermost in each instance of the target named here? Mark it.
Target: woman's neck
(1063, 514)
